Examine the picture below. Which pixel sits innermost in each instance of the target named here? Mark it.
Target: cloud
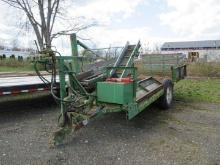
(104, 36)
(193, 19)
(104, 11)
(11, 21)
(101, 11)
(101, 37)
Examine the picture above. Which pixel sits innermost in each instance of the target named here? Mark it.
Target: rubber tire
(162, 102)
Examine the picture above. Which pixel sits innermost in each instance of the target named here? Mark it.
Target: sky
(151, 21)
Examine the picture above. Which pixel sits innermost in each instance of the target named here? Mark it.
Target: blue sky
(151, 21)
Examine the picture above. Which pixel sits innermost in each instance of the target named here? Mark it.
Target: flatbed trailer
(15, 84)
(18, 83)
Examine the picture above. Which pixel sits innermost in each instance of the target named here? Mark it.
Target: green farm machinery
(115, 87)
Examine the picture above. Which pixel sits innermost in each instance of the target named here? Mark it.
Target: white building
(206, 50)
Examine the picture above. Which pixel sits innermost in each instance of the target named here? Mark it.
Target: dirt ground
(187, 134)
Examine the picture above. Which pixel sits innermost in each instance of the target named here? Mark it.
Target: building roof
(208, 44)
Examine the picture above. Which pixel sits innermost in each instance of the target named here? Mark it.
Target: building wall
(211, 55)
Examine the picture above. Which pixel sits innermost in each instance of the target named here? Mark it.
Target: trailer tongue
(116, 89)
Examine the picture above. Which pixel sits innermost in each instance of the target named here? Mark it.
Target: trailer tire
(166, 100)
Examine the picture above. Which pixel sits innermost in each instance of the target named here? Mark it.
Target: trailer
(19, 84)
(117, 88)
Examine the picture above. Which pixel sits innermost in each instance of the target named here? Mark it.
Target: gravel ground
(187, 134)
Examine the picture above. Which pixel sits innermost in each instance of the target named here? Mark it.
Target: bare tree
(157, 48)
(42, 15)
(14, 44)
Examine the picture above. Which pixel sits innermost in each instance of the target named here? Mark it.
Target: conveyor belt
(125, 60)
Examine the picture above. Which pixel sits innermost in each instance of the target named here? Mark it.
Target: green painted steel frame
(132, 109)
(73, 82)
(74, 47)
(135, 108)
(133, 72)
(178, 73)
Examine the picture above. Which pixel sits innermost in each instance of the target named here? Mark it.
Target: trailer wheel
(166, 99)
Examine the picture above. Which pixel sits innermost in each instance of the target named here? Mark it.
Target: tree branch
(69, 31)
(44, 19)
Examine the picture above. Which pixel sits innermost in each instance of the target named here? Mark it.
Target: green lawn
(16, 69)
(10, 65)
(204, 69)
(198, 90)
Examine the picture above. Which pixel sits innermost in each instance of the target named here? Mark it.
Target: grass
(198, 90)
(16, 69)
(204, 69)
(10, 65)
